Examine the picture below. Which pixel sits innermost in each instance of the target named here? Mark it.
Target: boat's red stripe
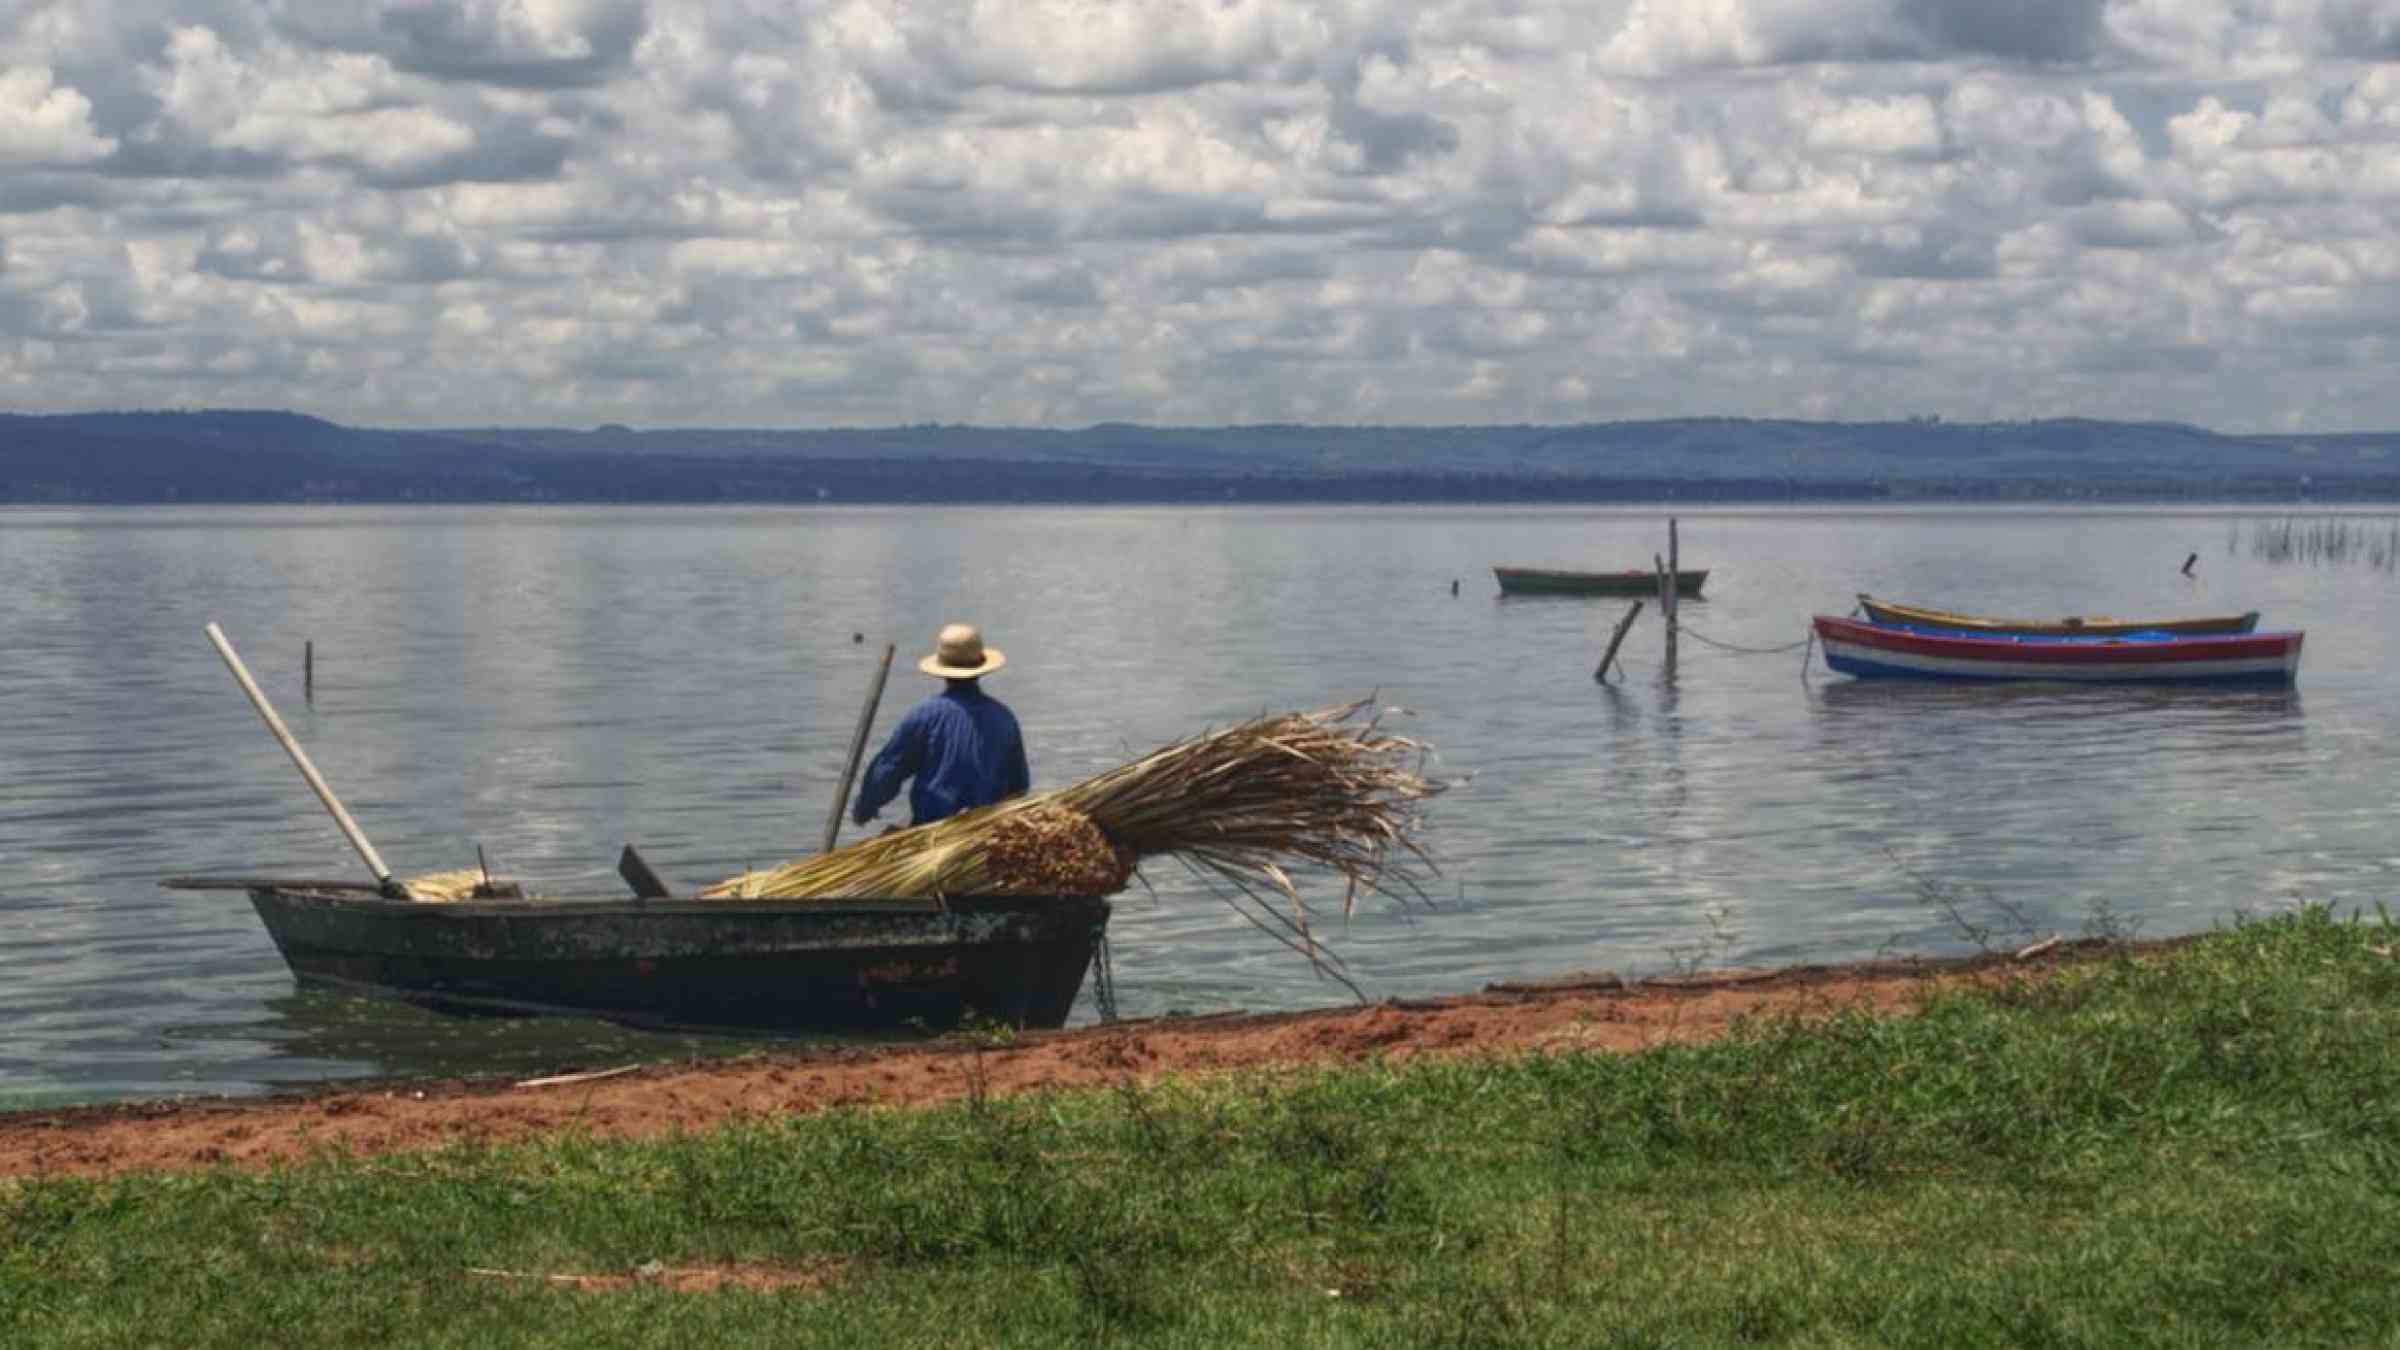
(2098, 651)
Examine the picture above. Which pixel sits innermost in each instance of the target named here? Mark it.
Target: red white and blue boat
(1883, 650)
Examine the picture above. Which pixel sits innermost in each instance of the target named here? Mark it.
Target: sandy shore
(1595, 1012)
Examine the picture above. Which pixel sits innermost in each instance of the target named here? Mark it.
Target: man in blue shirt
(961, 746)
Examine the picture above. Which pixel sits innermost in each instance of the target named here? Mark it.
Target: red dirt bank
(661, 1098)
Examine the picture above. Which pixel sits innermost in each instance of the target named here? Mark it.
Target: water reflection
(1841, 697)
(322, 1033)
(1649, 603)
(2055, 799)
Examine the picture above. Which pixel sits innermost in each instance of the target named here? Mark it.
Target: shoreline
(1589, 1011)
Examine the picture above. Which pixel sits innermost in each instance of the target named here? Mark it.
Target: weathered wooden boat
(2073, 625)
(769, 965)
(1633, 582)
(1873, 650)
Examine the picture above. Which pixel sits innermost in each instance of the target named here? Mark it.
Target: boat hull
(770, 965)
(1886, 651)
(1544, 581)
(1918, 616)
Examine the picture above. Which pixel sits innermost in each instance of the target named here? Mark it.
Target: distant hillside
(266, 456)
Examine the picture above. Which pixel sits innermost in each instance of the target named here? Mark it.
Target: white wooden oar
(384, 881)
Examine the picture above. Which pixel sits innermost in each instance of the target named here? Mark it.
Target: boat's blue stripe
(1871, 670)
(2056, 639)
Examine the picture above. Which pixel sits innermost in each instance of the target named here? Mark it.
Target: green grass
(2196, 1148)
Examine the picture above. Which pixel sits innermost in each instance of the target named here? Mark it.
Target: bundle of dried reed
(1329, 789)
(456, 885)
(1050, 850)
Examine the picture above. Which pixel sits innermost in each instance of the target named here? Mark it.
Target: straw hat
(959, 654)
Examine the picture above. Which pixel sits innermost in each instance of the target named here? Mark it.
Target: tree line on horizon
(238, 456)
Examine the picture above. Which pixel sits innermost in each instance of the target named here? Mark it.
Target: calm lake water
(552, 683)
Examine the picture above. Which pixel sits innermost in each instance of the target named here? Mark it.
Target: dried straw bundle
(455, 885)
(1235, 805)
(1050, 850)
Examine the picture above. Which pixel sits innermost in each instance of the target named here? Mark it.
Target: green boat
(740, 965)
(1633, 581)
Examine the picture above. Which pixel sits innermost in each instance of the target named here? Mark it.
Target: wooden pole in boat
(647, 884)
(1613, 639)
(384, 880)
(858, 747)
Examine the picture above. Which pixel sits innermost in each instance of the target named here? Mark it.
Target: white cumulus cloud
(42, 122)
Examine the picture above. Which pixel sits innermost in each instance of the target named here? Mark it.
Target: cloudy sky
(1057, 212)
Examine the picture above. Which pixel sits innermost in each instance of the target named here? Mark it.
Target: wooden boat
(1633, 582)
(2074, 625)
(771, 965)
(1873, 650)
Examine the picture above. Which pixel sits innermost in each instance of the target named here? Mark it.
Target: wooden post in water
(308, 671)
(1614, 639)
(1666, 609)
(1674, 593)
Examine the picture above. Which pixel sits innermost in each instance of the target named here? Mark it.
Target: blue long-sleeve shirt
(962, 747)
